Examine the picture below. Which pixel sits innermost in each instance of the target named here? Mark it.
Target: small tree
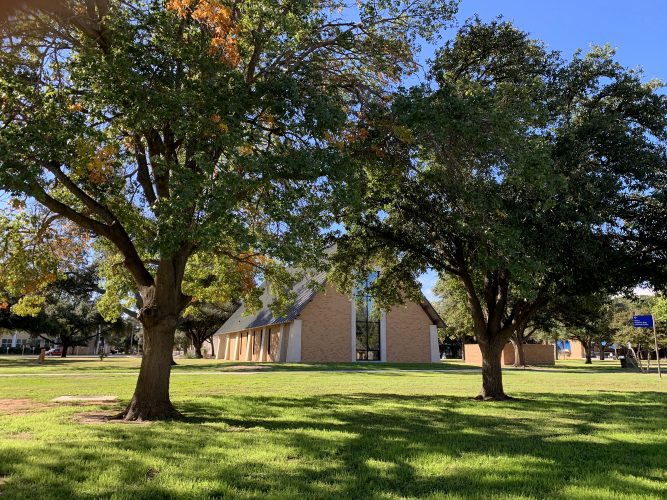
(202, 321)
(588, 319)
(452, 308)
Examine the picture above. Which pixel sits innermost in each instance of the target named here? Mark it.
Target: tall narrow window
(368, 316)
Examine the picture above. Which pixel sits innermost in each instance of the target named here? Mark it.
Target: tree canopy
(195, 131)
(511, 170)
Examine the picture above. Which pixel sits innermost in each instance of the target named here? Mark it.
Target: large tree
(509, 170)
(191, 129)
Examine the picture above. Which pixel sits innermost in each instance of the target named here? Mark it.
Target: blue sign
(642, 321)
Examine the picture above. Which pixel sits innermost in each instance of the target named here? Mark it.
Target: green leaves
(188, 136)
(512, 172)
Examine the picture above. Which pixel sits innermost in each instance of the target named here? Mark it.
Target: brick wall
(534, 354)
(326, 329)
(408, 339)
(539, 354)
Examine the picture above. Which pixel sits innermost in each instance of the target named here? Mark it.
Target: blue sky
(637, 29)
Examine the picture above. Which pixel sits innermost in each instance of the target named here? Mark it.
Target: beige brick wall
(272, 345)
(474, 356)
(408, 338)
(326, 329)
(255, 349)
(578, 350)
(244, 346)
(539, 354)
(534, 354)
(235, 339)
(219, 346)
(283, 352)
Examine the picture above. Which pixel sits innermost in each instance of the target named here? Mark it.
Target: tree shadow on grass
(370, 446)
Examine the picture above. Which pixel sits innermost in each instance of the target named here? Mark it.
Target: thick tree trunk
(64, 348)
(162, 304)
(492, 376)
(212, 347)
(151, 395)
(601, 350)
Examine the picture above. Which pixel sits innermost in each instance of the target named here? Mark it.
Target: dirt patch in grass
(86, 400)
(21, 436)
(20, 406)
(103, 417)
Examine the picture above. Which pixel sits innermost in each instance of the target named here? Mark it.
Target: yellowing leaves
(218, 19)
(245, 149)
(29, 305)
(216, 118)
(95, 162)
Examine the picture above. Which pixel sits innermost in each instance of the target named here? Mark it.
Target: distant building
(18, 342)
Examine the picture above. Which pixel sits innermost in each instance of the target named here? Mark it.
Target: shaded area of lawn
(294, 436)
(16, 364)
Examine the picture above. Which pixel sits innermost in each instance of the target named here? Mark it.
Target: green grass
(574, 432)
(79, 364)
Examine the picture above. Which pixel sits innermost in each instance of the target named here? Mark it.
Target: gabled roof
(304, 292)
(432, 313)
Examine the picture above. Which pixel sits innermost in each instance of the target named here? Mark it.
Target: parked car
(56, 351)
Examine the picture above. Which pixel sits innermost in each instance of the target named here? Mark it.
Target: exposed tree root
(502, 397)
(146, 412)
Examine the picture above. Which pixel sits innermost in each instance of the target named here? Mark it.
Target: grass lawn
(297, 431)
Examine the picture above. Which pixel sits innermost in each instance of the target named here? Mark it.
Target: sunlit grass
(572, 433)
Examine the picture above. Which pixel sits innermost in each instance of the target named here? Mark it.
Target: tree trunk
(212, 347)
(162, 304)
(197, 346)
(587, 350)
(64, 348)
(601, 350)
(517, 342)
(151, 395)
(492, 376)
